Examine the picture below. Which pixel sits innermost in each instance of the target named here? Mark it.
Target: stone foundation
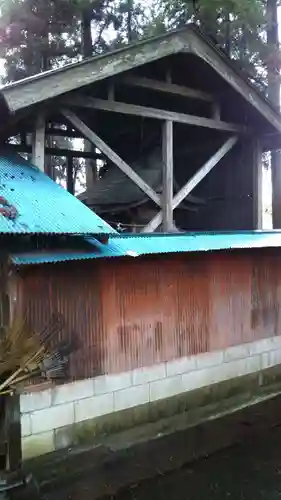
(200, 386)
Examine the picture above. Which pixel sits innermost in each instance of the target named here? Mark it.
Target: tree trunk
(274, 97)
(86, 32)
(87, 51)
(130, 7)
(228, 34)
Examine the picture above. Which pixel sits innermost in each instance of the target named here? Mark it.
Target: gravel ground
(249, 471)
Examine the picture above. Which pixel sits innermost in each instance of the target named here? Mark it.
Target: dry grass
(25, 354)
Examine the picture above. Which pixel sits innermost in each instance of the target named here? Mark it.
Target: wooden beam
(56, 132)
(193, 182)
(22, 148)
(114, 157)
(157, 114)
(257, 187)
(168, 175)
(166, 87)
(38, 142)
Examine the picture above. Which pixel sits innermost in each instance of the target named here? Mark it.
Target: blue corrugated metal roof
(42, 205)
(135, 246)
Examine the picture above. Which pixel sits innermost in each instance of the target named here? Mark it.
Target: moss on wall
(157, 417)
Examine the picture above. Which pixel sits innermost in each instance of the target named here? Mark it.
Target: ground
(249, 470)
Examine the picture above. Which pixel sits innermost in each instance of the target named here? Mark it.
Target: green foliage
(37, 34)
(238, 26)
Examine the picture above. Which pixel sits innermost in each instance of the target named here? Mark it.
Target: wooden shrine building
(177, 130)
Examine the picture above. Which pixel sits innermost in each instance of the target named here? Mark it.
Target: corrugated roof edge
(136, 246)
(179, 234)
(31, 259)
(81, 235)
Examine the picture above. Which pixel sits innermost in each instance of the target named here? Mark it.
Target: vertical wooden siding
(73, 291)
(136, 312)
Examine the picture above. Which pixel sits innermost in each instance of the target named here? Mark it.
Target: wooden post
(257, 184)
(168, 175)
(38, 144)
(70, 179)
(90, 177)
(13, 432)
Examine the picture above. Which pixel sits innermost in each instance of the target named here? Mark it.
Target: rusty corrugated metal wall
(129, 313)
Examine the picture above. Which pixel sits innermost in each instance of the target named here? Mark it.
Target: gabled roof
(30, 202)
(51, 84)
(157, 244)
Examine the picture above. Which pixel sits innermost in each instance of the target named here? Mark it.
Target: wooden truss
(168, 202)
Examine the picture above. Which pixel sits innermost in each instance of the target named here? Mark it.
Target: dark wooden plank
(13, 432)
(165, 87)
(72, 153)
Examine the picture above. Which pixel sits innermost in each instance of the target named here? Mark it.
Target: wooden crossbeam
(165, 87)
(68, 153)
(83, 101)
(114, 157)
(57, 132)
(193, 182)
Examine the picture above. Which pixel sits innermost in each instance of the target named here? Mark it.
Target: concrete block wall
(44, 413)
